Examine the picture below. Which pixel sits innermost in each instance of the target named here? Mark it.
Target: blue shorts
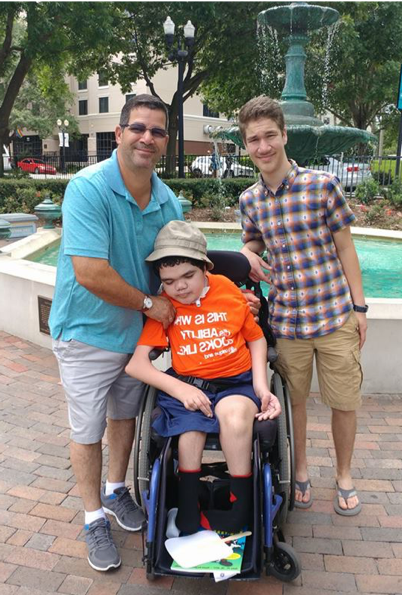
(175, 419)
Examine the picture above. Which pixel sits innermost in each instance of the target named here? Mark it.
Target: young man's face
(183, 282)
(265, 143)
(142, 149)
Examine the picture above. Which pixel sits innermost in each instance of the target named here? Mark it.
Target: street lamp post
(63, 126)
(180, 55)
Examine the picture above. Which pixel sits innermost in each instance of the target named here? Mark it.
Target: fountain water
(308, 137)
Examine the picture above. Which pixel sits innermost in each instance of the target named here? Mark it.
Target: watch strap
(362, 309)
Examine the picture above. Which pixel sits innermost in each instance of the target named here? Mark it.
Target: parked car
(6, 159)
(36, 166)
(229, 167)
(350, 173)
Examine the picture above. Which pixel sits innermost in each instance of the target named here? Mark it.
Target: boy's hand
(253, 302)
(270, 406)
(194, 399)
(162, 311)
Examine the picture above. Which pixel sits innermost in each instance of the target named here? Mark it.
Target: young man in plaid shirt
(317, 307)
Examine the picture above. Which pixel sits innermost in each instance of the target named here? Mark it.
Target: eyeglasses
(138, 128)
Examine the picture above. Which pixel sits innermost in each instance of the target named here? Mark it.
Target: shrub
(394, 193)
(367, 191)
(22, 195)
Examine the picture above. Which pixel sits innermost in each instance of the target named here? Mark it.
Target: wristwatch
(147, 304)
(360, 308)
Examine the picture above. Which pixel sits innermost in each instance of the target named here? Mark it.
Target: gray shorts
(96, 387)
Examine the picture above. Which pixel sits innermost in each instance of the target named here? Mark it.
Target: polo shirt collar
(159, 192)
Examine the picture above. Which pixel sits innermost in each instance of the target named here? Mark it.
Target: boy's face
(183, 282)
(265, 143)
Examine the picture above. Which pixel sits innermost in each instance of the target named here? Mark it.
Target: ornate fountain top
(298, 17)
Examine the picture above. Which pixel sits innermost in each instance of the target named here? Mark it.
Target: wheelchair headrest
(230, 263)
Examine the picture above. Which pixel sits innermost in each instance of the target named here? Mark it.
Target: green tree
(357, 84)
(223, 33)
(43, 98)
(72, 37)
(365, 62)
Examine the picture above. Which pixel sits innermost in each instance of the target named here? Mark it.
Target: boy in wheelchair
(218, 380)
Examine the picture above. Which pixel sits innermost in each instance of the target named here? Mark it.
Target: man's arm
(252, 251)
(140, 367)
(350, 263)
(98, 277)
(270, 406)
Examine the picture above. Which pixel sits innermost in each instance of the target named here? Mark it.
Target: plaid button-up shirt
(309, 295)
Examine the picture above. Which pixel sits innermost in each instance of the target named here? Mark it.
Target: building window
(102, 79)
(82, 85)
(105, 143)
(83, 107)
(103, 105)
(130, 96)
(207, 113)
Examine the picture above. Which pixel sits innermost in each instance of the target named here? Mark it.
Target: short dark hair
(261, 107)
(171, 261)
(143, 100)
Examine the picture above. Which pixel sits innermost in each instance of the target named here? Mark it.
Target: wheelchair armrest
(266, 430)
(272, 355)
(155, 353)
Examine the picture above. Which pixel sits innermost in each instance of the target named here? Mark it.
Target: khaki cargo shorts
(96, 388)
(338, 366)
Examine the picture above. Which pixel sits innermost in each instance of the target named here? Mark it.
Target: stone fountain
(308, 137)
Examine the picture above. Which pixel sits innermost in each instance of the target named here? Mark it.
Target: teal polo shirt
(102, 220)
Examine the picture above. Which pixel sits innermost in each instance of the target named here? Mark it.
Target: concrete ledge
(22, 281)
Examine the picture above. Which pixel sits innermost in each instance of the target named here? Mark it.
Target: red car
(36, 166)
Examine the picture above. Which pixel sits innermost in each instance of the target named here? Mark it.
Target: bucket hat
(179, 238)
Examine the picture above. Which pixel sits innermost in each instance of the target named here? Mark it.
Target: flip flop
(346, 494)
(303, 486)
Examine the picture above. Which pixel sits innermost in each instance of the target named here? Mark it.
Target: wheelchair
(155, 464)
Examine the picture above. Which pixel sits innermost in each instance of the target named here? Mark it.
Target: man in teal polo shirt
(112, 212)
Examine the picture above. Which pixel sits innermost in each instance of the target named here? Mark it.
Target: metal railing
(351, 171)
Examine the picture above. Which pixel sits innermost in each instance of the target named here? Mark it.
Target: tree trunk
(10, 96)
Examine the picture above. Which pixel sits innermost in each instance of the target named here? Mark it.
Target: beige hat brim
(180, 251)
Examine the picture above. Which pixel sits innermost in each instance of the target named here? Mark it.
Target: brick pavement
(41, 542)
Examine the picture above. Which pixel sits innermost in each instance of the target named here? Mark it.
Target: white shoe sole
(108, 511)
(103, 569)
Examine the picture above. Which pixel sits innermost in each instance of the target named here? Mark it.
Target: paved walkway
(41, 544)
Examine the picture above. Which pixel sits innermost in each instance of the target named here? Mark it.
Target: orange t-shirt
(208, 341)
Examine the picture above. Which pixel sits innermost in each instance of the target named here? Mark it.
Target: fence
(351, 171)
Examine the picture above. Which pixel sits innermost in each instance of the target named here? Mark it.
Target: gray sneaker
(102, 552)
(121, 505)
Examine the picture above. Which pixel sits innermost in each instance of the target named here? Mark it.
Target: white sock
(111, 487)
(94, 515)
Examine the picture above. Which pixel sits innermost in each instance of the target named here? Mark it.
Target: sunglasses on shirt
(138, 128)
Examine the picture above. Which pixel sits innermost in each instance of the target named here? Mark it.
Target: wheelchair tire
(285, 565)
(283, 448)
(142, 444)
(289, 417)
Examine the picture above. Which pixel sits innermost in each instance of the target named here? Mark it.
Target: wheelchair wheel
(142, 446)
(285, 565)
(285, 448)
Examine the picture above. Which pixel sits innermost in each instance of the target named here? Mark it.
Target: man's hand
(270, 406)
(258, 266)
(253, 302)
(194, 399)
(162, 311)
(362, 321)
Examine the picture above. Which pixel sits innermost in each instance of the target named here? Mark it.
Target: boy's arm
(140, 367)
(270, 406)
(350, 263)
